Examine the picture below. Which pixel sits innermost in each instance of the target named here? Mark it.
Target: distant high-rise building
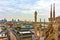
(18, 20)
(13, 20)
(4, 20)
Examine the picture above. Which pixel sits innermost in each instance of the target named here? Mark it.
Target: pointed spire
(40, 20)
(40, 23)
(51, 12)
(35, 26)
(35, 16)
(54, 11)
(44, 23)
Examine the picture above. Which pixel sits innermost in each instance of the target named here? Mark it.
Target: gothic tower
(35, 25)
(50, 33)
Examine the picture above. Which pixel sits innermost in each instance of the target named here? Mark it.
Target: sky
(24, 9)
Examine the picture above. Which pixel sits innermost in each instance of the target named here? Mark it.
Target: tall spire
(44, 23)
(35, 28)
(35, 16)
(54, 11)
(51, 12)
(40, 20)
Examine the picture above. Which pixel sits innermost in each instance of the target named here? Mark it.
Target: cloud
(25, 8)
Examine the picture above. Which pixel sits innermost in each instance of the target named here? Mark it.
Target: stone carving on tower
(50, 33)
(53, 30)
(35, 26)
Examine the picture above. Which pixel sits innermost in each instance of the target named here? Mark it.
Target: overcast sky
(24, 9)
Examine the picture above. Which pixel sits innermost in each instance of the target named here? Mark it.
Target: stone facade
(53, 31)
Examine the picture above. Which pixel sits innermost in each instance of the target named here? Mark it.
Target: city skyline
(24, 9)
